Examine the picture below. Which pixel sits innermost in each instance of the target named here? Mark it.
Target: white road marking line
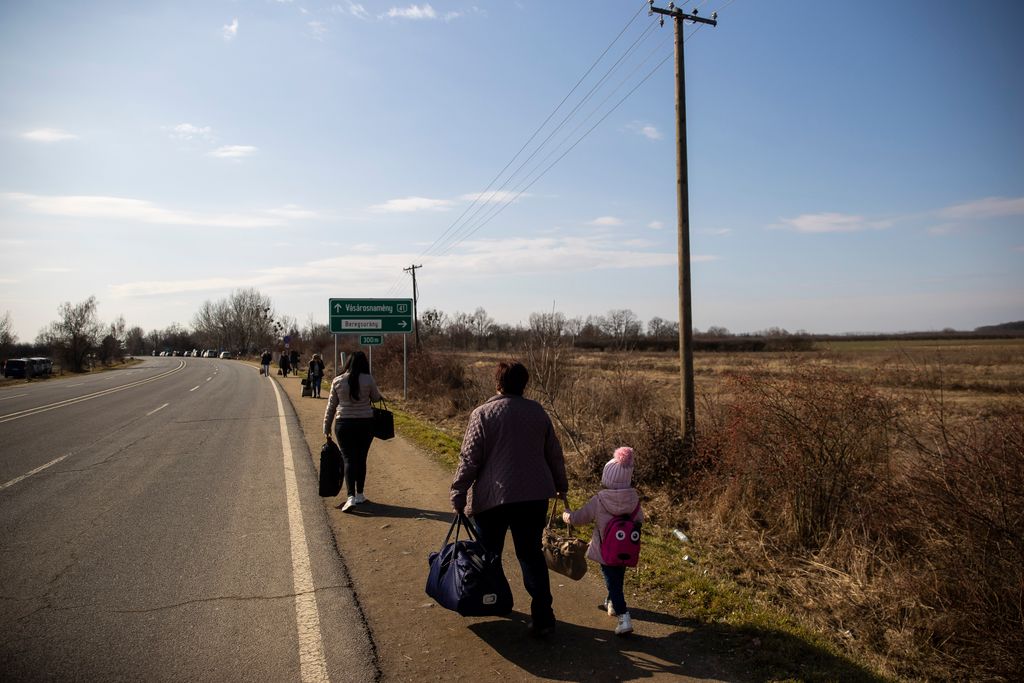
(10, 397)
(76, 385)
(194, 388)
(14, 481)
(208, 379)
(312, 661)
(96, 394)
(156, 409)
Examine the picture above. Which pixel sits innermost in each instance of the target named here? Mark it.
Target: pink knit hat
(618, 472)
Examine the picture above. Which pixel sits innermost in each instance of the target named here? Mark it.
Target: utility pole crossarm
(677, 13)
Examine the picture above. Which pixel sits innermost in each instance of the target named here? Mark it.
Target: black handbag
(330, 469)
(466, 578)
(383, 422)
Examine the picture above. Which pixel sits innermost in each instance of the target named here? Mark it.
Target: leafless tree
(7, 336)
(75, 335)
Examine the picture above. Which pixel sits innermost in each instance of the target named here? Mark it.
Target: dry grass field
(872, 492)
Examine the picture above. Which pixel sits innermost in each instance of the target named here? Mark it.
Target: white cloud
(186, 131)
(411, 204)
(230, 31)
(816, 223)
(353, 8)
(53, 269)
(519, 255)
(48, 135)
(716, 231)
(646, 129)
(990, 207)
(606, 220)
(141, 211)
(154, 287)
(655, 225)
(233, 151)
(414, 12)
(318, 29)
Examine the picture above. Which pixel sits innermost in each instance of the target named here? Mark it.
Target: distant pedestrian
(618, 497)
(295, 361)
(315, 374)
(265, 362)
(510, 465)
(284, 364)
(351, 393)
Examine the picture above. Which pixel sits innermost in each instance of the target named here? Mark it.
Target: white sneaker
(349, 504)
(359, 498)
(625, 625)
(609, 608)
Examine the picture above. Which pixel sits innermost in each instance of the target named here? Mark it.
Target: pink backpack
(620, 544)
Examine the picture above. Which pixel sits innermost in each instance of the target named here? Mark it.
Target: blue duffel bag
(465, 578)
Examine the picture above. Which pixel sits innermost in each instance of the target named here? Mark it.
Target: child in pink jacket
(618, 497)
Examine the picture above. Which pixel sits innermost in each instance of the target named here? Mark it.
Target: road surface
(162, 523)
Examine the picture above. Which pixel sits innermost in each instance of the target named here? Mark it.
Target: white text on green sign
(379, 315)
(371, 339)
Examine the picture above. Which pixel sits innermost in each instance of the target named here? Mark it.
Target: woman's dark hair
(356, 365)
(511, 377)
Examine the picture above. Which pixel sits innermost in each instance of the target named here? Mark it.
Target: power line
(456, 235)
(565, 120)
(521, 189)
(629, 23)
(609, 113)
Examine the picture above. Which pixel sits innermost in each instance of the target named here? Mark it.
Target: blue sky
(852, 168)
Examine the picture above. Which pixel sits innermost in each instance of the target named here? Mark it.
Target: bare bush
(808, 450)
(964, 507)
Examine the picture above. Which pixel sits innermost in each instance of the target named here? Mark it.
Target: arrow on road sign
(403, 324)
(337, 308)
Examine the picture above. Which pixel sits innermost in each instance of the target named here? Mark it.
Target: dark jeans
(614, 577)
(314, 384)
(526, 520)
(354, 438)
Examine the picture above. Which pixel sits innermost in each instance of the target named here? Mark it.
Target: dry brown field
(874, 490)
(970, 374)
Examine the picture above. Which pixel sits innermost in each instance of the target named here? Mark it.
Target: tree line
(245, 323)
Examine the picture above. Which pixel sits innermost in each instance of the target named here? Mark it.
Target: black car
(18, 367)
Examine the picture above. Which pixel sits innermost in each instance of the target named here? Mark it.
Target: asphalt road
(162, 523)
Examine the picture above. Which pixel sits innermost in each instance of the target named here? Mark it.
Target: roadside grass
(722, 615)
(441, 446)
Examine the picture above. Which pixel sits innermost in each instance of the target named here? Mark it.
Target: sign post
(370, 318)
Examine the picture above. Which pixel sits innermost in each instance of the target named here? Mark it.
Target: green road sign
(351, 316)
(371, 339)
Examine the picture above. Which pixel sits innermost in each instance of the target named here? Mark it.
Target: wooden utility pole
(688, 420)
(415, 299)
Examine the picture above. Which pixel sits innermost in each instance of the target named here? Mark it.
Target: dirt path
(385, 546)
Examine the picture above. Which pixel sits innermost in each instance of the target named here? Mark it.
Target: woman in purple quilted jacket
(511, 464)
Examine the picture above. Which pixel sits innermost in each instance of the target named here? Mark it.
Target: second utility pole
(415, 299)
(688, 420)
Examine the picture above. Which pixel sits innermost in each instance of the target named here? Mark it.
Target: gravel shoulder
(385, 544)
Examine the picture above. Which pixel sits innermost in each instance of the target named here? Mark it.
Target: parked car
(41, 366)
(18, 367)
(225, 354)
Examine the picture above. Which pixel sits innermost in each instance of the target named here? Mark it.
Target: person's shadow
(712, 651)
(373, 509)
